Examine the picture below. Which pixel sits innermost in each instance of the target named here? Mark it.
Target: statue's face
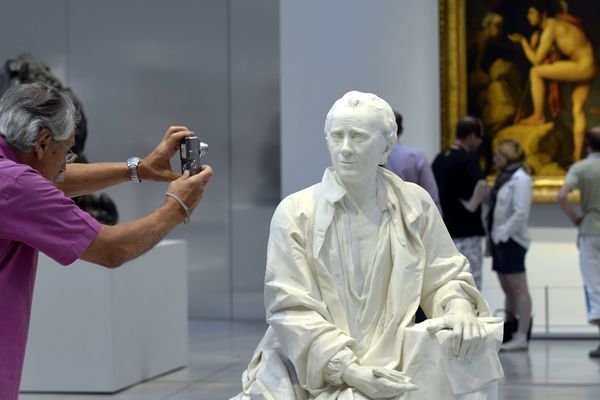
(355, 143)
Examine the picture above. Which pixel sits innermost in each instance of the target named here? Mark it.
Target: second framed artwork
(529, 70)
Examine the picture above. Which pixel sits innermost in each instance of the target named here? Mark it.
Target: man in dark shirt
(460, 179)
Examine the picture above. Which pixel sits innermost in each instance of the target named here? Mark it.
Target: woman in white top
(510, 202)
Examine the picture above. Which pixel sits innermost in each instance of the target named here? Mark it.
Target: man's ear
(42, 142)
(386, 153)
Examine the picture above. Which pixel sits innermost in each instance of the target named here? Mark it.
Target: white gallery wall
(391, 48)
(387, 47)
(139, 66)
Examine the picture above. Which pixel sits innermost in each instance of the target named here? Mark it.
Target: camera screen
(183, 151)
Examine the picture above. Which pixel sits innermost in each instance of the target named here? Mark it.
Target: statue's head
(360, 130)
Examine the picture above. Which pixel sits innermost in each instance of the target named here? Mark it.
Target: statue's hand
(156, 166)
(516, 37)
(467, 331)
(377, 383)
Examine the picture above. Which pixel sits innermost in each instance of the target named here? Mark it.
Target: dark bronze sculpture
(26, 69)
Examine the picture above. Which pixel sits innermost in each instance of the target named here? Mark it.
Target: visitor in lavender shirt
(412, 165)
(37, 125)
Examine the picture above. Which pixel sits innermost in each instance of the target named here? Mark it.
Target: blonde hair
(511, 150)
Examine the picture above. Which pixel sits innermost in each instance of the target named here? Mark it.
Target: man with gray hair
(37, 125)
(349, 261)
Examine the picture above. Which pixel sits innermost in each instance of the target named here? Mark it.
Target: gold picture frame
(454, 95)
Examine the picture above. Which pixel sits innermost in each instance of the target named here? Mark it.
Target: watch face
(133, 161)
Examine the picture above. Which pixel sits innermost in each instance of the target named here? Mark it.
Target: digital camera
(190, 151)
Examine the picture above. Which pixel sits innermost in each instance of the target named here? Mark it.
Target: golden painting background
(453, 28)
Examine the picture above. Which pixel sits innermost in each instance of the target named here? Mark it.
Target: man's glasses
(70, 157)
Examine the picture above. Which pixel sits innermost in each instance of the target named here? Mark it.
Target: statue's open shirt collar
(334, 191)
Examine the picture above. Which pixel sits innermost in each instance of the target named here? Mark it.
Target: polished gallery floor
(220, 351)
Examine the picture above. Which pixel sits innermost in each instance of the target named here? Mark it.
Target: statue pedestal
(99, 330)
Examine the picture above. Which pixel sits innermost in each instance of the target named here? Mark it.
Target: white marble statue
(349, 261)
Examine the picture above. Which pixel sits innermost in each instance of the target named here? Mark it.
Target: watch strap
(132, 165)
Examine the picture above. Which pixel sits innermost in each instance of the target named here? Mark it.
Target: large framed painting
(529, 70)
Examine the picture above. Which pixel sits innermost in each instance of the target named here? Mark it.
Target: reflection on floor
(220, 351)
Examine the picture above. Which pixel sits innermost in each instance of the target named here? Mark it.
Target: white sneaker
(517, 343)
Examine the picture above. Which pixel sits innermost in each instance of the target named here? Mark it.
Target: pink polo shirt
(34, 216)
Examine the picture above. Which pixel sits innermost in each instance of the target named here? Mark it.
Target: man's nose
(346, 147)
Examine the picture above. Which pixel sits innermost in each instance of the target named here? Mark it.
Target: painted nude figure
(349, 261)
(560, 34)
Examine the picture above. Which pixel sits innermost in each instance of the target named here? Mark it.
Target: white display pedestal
(99, 330)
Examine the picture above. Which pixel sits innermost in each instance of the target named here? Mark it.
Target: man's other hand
(156, 166)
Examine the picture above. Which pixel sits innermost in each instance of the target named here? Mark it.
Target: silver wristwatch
(132, 165)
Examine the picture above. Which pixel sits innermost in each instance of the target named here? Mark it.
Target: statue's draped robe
(321, 304)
